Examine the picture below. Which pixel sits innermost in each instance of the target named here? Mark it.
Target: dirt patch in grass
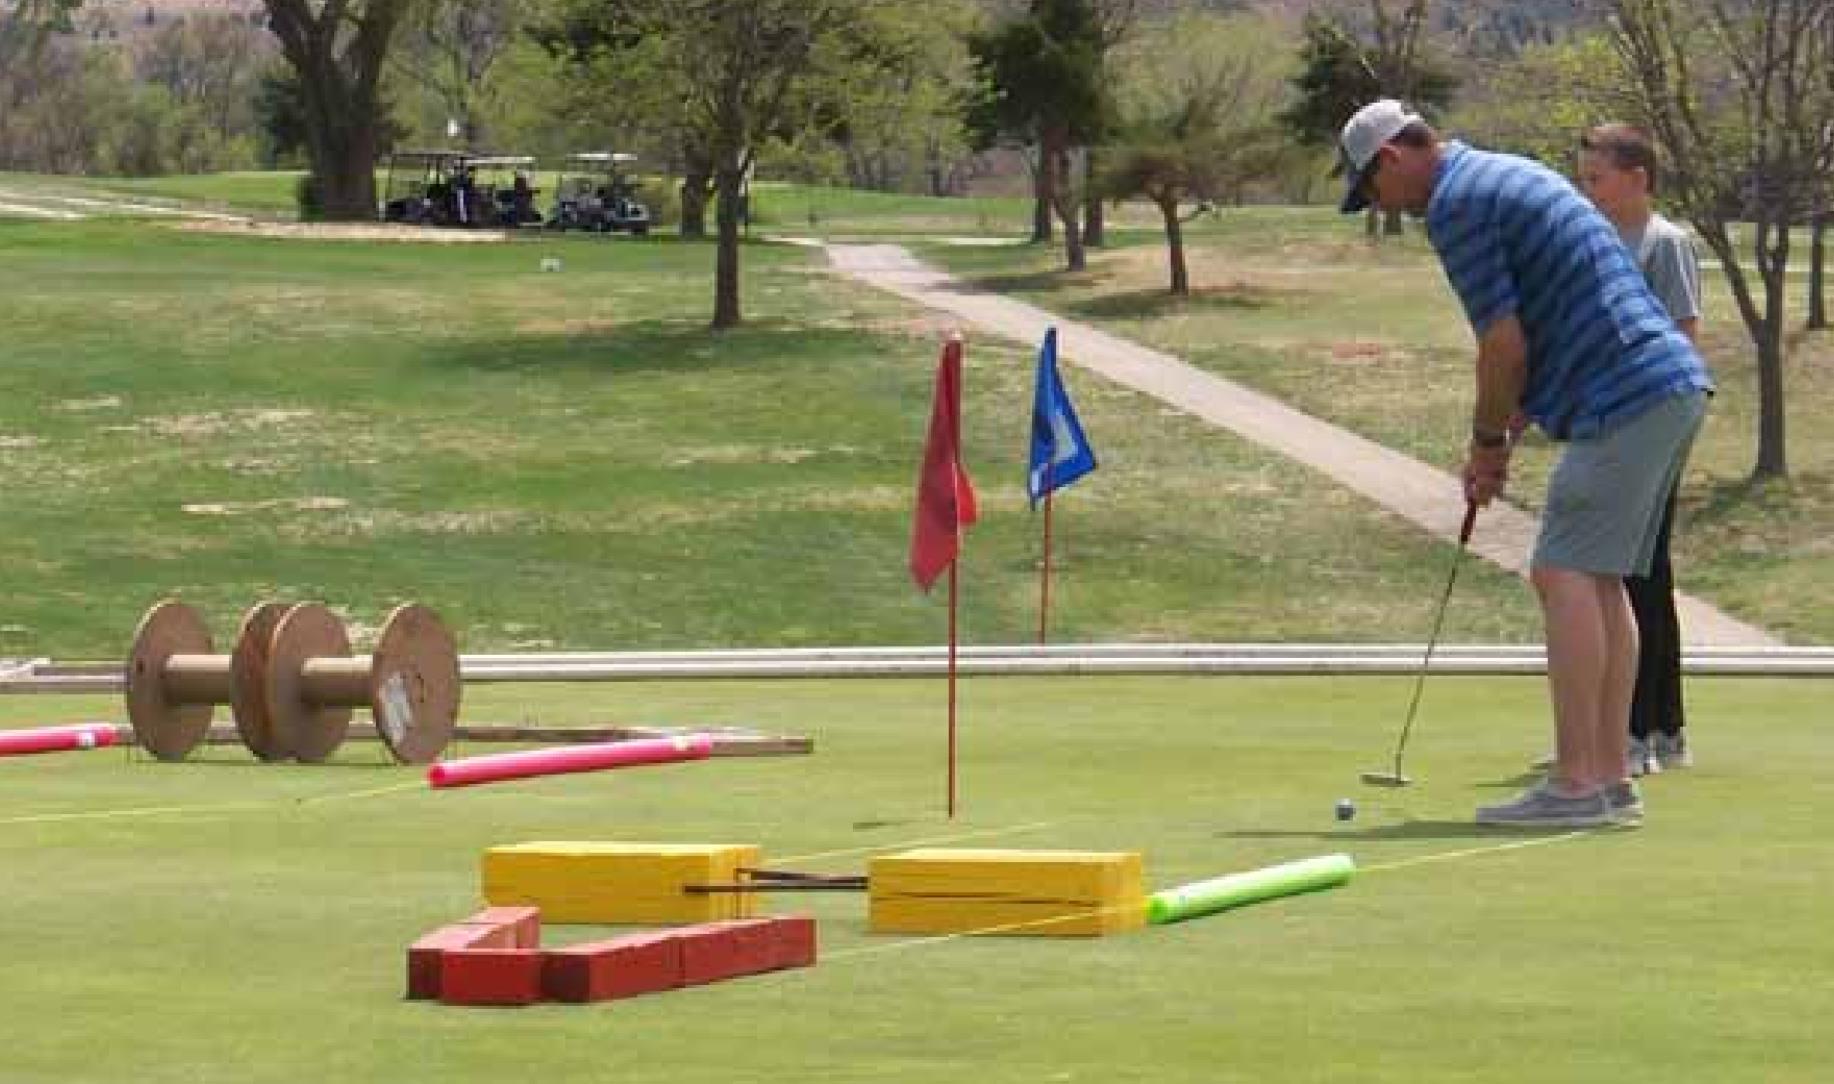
(346, 231)
(243, 508)
(213, 423)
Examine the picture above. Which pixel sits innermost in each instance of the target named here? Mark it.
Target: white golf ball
(86, 740)
(550, 263)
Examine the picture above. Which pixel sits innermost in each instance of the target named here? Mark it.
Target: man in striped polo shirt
(1568, 334)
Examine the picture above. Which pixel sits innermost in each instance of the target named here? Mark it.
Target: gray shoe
(1625, 803)
(1544, 807)
(1640, 760)
(1671, 751)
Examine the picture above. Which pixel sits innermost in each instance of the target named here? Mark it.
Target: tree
(893, 109)
(46, 15)
(1339, 74)
(1197, 122)
(338, 48)
(1040, 82)
(739, 72)
(1537, 103)
(1732, 92)
(1822, 201)
(211, 66)
(617, 84)
(451, 49)
(1117, 19)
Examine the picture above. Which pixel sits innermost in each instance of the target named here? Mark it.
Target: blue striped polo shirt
(1516, 239)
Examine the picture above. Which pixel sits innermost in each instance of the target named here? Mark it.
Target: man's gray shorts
(1606, 495)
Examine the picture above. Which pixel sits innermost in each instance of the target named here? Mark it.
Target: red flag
(945, 495)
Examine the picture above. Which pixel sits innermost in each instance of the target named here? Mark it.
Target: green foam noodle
(1240, 889)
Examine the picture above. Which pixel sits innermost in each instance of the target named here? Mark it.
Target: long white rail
(44, 676)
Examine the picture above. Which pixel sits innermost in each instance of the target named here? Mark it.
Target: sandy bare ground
(1423, 494)
(69, 208)
(347, 231)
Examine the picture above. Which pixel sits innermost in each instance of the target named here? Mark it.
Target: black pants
(1656, 706)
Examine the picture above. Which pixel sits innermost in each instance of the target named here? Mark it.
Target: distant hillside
(119, 19)
(1481, 27)
(1476, 26)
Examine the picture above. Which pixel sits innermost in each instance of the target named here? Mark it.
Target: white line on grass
(1495, 848)
(371, 792)
(143, 811)
(1010, 927)
(181, 810)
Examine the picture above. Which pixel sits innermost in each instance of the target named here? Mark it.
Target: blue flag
(1060, 452)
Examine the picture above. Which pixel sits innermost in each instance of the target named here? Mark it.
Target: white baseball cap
(1373, 125)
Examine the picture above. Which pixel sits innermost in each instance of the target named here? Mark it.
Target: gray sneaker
(1543, 807)
(1640, 760)
(1671, 751)
(1625, 802)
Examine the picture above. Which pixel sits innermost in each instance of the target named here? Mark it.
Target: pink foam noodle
(568, 758)
(58, 739)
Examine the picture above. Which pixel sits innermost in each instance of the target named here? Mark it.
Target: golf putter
(1396, 777)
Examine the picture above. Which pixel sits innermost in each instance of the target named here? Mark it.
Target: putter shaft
(1397, 777)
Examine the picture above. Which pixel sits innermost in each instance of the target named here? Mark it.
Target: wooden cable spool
(174, 682)
(292, 683)
(410, 682)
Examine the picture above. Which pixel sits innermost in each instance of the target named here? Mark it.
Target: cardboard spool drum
(410, 683)
(291, 683)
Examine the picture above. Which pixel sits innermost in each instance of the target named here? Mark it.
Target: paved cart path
(1423, 494)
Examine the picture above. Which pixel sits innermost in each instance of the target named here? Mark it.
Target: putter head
(1386, 779)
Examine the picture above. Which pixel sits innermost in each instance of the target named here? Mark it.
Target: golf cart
(594, 192)
(452, 188)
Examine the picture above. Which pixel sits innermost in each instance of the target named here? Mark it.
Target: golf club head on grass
(1386, 779)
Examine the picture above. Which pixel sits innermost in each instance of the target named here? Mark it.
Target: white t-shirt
(1666, 254)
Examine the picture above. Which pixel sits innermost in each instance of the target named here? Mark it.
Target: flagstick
(952, 601)
(1044, 582)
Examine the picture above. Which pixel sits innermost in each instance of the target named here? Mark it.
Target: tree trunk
(340, 91)
(1766, 337)
(1057, 151)
(1174, 247)
(726, 312)
(695, 188)
(1773, 268)
(1043, 184)
(934, 168)
(341, 141)
(1095, 222)
(1818, 252)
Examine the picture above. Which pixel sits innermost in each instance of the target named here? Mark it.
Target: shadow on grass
(1744, 499)
(647, 346)
(1405, 830)
(1520, 780)
(1055, 280)
(1149, 303)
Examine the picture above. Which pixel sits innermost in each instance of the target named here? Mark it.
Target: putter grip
(1464, 531)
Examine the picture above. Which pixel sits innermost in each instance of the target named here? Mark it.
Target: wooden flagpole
(1044, 579)
(952, 604)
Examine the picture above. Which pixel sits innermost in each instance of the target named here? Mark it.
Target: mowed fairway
(244, 935)
(569, 460)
